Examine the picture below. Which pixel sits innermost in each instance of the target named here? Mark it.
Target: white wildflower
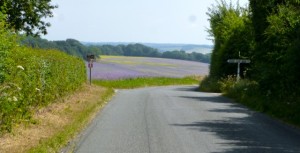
(37, 89)
(15, 98)
(20, 67)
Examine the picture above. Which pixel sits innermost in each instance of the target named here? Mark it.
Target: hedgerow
(32, 78)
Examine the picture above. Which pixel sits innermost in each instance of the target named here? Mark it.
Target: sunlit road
(180, 120)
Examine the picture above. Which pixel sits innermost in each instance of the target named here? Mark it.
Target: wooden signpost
(238, 61)
(90, 59)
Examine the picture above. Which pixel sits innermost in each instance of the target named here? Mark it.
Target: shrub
(228, 83)
(209, 84)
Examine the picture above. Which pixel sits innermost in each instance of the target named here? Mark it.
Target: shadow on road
(193, 89)
(214, 99)
(248, 133)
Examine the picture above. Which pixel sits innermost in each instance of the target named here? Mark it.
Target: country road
(177, 119)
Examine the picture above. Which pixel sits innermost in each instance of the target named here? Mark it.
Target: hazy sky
(153, 21)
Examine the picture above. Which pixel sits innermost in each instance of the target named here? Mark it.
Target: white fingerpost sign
(238, 61)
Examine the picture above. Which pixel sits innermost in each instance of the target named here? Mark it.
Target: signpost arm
(238, 61)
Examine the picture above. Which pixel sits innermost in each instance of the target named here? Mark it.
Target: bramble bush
(32, 78)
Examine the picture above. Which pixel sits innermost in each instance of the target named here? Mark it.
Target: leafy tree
(229, 29)
(27, 15)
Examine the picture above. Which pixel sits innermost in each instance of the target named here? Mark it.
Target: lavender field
(120, 67)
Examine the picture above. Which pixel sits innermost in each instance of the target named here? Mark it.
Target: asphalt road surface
(179, 120)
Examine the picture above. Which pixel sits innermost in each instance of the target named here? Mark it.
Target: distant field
(120, 67)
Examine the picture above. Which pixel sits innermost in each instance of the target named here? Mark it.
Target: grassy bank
(56, 124)
(81, 115)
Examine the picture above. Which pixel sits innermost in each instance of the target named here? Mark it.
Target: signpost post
(90, 59)
(238, 61)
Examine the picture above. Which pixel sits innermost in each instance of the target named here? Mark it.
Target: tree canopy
(27, 15)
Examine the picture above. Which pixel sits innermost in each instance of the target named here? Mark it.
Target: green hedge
(31, 78)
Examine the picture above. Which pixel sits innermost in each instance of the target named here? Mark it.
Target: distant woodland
(76, 48)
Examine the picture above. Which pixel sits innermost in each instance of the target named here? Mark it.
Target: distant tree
(175, 55)
(27, 15)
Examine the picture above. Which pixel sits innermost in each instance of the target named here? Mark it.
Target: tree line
(268, 33)
(74, 47)
(145, 51)
(69, 46)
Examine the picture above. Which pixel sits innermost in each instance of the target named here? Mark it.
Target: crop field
(121, 67)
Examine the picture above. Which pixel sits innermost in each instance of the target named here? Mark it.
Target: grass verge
(81, 119)
(57, 123)
(146, 82)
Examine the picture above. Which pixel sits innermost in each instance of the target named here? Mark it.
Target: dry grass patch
(53, 119)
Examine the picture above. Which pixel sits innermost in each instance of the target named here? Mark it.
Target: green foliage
(27, 15)
(144, 82)
(282, 48)
(277, 57)
(32, 78)
(6, 44)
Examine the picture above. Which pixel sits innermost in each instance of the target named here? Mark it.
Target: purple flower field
(119, 67)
